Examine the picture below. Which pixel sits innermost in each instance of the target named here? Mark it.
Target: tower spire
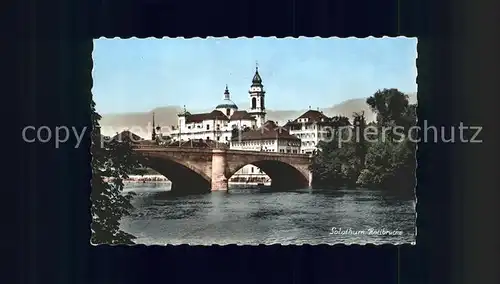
(257, 80)
(257, 105)
(153, 135)
(226, 93)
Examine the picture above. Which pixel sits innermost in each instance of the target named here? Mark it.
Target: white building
(268, 138)
(218, 124)
(311, 127)
(226, 119)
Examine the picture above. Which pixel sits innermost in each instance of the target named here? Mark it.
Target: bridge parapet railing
(269, 153)
(172, 149)
(185, 146)
(158, 148)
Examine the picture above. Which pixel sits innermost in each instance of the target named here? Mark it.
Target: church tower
(153, 134)
(257, 106)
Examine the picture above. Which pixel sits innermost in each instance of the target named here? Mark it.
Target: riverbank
(243, 184)
(161, 179)
(144, 179)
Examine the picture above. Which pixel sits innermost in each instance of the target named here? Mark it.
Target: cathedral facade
(220, 124)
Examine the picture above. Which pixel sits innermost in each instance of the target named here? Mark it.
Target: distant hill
(138, 122)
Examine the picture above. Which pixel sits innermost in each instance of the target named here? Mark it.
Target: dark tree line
(385, 160)
(110, 159)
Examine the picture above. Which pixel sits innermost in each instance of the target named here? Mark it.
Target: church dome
(227, 102)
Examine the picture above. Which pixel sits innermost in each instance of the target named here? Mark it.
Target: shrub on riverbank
(111, 160)
(386, 162)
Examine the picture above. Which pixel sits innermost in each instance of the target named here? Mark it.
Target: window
(252, 170)
(228, 112)
(328, 133)
(254, 103)
(262, 102)
(208, 126)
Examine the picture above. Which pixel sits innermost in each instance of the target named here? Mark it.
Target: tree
(379, 165)
(332, 164)
(390, 163)
(360, 143)
(385, 163)
(389, 105)
(110, 160)
(340, 121)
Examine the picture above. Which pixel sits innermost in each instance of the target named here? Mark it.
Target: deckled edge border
(339, 244)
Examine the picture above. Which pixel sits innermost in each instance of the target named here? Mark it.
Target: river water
(265, 216)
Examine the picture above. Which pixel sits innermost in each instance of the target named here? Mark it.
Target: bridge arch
(184, 177)
(284, 174)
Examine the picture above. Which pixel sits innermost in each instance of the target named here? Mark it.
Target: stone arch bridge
(210, 169)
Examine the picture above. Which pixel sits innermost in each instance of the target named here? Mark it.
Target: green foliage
(389, 105)
(372, 160)
(390, 165)
(115, 160)
(333, 163)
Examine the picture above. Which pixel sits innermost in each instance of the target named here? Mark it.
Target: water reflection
(261, 215)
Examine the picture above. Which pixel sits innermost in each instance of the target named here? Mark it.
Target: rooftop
(270, 130)
(199, 117)
(241, 115)
(313, 116)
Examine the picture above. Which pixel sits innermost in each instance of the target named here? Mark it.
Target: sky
(137, 75)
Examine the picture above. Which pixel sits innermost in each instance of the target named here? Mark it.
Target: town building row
(229, 127)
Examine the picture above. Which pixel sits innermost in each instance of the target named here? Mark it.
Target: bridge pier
(309, 180)
(219, 165)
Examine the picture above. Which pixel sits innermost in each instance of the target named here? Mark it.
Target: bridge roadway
(200, 169)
